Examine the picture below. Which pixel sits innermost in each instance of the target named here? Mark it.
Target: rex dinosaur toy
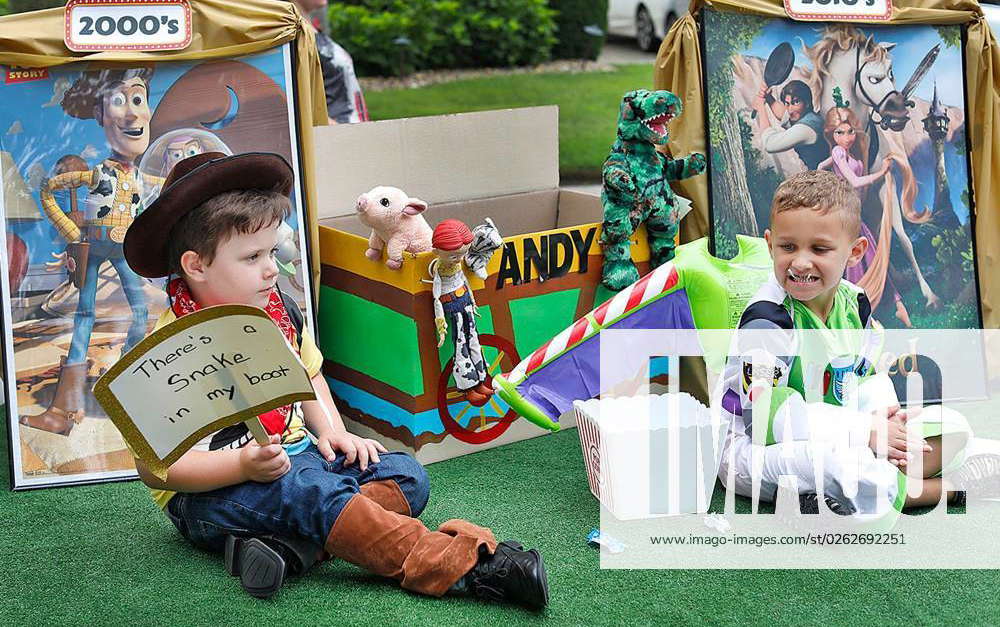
(636, 185)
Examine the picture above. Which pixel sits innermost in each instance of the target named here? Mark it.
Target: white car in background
(646, 20)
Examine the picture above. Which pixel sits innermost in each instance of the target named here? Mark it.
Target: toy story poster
(881, 106)
(83, 149)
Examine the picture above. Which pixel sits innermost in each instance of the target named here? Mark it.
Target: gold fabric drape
(221, 28)
(679, 69)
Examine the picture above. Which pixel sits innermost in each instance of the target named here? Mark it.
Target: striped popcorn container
(650, 456)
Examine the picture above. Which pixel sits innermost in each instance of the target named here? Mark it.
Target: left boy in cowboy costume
(215, 226)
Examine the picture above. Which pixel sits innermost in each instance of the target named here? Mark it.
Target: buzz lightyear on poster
(84, 149)
(169, 149)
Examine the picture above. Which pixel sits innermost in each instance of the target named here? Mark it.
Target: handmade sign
(208, 370)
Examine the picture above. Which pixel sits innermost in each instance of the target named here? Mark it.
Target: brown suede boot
(67, 407)
(392, 545)
(388, 494)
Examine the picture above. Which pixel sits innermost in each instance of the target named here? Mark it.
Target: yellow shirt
(234, 437)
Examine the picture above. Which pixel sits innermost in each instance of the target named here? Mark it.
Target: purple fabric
(576, 374)
(854, 273)
(731, 403)
(840, 153)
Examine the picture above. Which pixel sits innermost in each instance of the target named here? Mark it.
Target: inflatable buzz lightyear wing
(694, 291)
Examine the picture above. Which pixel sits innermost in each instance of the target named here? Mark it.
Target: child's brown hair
(822, 191)
(220, 217)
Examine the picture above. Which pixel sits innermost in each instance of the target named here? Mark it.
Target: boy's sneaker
(510, 574)
(809, 504)
(978, 476)
(262, 564)
(805, 518)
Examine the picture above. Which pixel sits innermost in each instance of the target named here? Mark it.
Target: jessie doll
(453, 300)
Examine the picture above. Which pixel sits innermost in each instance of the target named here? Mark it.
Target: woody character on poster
(881, 106)
(84, 149)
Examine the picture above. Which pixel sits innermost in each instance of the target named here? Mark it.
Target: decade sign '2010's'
(864, 10)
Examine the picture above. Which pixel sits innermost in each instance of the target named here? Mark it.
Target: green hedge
(572, 16)
(23, 6)
(443, 33)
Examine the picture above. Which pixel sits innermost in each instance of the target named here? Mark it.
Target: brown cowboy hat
(190, 183)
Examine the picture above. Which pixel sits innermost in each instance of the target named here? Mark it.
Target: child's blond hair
(822, 191)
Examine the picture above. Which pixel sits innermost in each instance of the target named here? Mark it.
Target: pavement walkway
(623, 51)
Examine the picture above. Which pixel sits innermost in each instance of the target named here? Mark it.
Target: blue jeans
(303, 504)
(83, 323)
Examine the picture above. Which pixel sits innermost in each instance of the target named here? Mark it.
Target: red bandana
(183, 303)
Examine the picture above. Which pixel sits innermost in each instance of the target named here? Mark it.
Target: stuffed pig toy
(396, 223)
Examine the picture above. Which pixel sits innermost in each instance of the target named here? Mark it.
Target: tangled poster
(881, 106)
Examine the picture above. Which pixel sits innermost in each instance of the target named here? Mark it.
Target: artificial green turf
(104, 555)
(588, 106)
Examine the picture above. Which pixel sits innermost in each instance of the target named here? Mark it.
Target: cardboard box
(376, 327)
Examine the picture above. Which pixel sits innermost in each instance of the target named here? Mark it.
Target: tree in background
(726, 36)
(23, 6)
(572, 16)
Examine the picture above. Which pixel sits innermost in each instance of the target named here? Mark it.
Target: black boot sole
(231, 558)
(544, 577)
(260, 568)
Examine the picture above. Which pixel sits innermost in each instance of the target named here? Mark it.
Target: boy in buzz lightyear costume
(830, 447)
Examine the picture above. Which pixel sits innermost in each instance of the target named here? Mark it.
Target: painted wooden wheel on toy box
(466, 422)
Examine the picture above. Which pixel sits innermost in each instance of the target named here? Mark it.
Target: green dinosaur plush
(636, 185)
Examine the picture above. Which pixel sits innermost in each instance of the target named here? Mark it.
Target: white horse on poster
(846, 58)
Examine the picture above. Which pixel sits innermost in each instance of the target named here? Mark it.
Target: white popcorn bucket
(650, 456)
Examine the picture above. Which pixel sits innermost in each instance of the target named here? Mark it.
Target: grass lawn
(588, 106)
(104, 555)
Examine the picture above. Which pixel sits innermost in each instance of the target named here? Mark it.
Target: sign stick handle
(257, 429)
